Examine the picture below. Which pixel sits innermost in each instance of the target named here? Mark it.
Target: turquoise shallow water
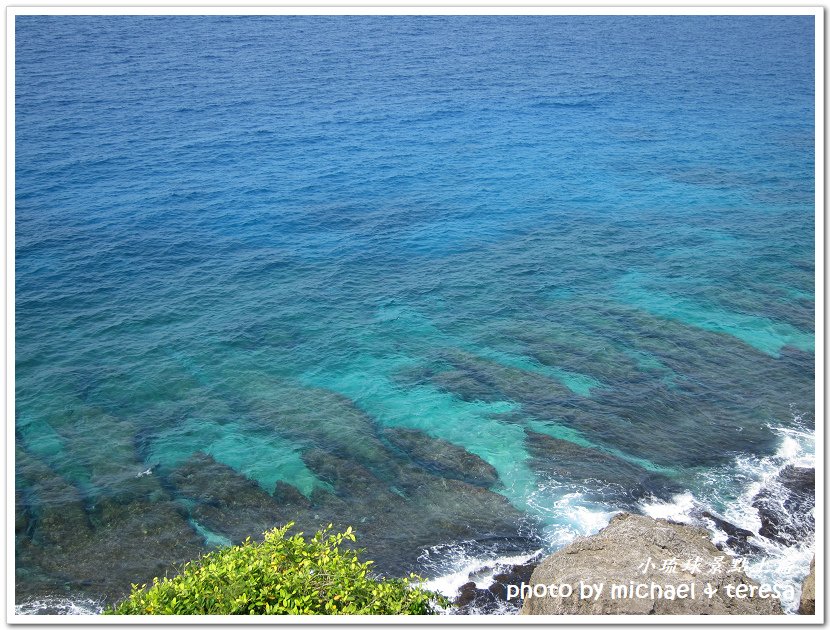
(269, 238)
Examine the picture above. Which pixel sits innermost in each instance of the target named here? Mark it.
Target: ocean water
(579, 248)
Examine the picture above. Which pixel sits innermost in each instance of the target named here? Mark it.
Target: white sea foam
(780, 563)
(59, 606)
(478, 570)
(728, 491)
(734, 488)
(568, 515)
(679, 509)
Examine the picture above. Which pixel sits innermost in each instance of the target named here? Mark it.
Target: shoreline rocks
(676, 563)
(737, 538)
(786, 506)
(472, 600)
(807, 606)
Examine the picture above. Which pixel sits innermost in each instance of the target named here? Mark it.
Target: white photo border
(460, 7)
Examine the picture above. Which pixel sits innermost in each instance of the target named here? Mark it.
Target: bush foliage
(280, 575)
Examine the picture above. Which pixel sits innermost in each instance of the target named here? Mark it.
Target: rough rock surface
(808, 592)
(618, 555)
(472, 600)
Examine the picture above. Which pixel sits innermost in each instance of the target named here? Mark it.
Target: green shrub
(280, 575)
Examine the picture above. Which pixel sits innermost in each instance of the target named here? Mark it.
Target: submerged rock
(465, 386)
(555, 344)
(99, 454)
(307, 413)
(285, 493)
(21, 514)
(473, 374)
(348, 478)
(639, 550)
(396, 522)
(807, 605)
(96, 546)
(232, 505)
(786, 506)
(595, 469)
(54, 508)
(136, 541)
(442, 457)
(708, 421)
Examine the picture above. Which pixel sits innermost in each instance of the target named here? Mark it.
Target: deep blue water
(270, 239)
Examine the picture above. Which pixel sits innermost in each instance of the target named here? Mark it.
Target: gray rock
(619, 555)
(807, 606)
(474, 600)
